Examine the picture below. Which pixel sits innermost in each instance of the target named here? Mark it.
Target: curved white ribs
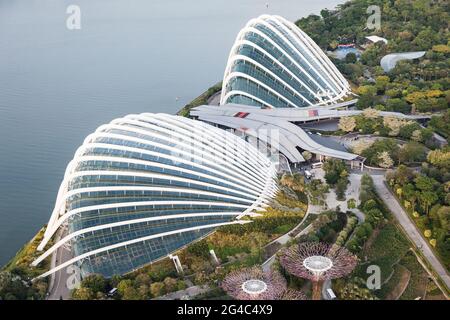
(332, 86)
(238, 175)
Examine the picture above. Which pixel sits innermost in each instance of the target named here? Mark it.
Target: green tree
(199, 249)
(95, 282)
(411, 152)
(427, 199)
(130, 293)
(83, 294)
(333, 169)
(424, 183)
(351, 57)
(407, 130)
(157, 289)
(439, 158)
(381, 83)
(170, 284)
(12, 287)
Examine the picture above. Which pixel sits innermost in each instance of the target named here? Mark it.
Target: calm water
(131, 56)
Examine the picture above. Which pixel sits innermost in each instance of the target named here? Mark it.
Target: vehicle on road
(330, 294)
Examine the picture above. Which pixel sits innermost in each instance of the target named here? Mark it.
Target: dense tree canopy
(412, 86)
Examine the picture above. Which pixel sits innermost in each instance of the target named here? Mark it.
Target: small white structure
(254, 286)
(389, 61)
(308, 174)
(176, 261)
(317, 165)
(375, 39)
(112, 292)
(317, 265)
(214, 256)
(331, 294)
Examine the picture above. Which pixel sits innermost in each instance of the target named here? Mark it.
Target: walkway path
(409, 227)
(186, 293)
(266, 266)
(286, 238)
(332, 202)
(58, 287)
(214, 100)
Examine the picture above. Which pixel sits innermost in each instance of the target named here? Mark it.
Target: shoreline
(184, 112)
(200, 100)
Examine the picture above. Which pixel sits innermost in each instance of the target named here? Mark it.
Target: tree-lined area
(17, 275)
(421, 181)
(426, 197)
(412, 86)
(378, 241)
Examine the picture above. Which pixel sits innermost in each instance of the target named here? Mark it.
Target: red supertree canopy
(255, 284)
(291, 294)
(317, 261)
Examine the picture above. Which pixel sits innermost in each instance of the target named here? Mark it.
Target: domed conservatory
(144, 186)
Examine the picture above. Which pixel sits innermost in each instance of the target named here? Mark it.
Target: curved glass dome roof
(389, 61)
(143, 186)
(274, 64)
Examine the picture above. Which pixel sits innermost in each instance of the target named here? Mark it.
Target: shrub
(199, 249)
(95, 282)
(351, 203)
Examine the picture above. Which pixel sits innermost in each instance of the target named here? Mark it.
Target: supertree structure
(291, 294)
(317, 262)
(255, 284)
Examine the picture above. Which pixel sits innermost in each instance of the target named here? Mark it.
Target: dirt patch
(435, 297)
(402, 284)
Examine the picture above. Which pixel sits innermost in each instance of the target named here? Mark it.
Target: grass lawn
(386, 249)
(396, 285)
(390, 251)
(417, 285)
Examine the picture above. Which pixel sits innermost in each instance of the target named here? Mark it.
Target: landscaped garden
(336, 175)
(16, 275)
(412, 86)
(425, 196)
(379, 241)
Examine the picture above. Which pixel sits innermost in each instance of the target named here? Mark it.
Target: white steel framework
(144, 180)
(274, 64)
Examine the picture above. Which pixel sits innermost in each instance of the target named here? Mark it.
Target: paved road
(323, 125)
(59, 288)
(214, 100)
(410, 228)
